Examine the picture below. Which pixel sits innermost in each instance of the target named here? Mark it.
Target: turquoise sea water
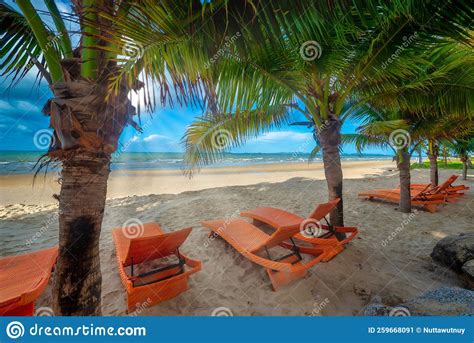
(23, 162)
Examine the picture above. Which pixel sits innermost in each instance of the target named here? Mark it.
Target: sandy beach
(376, 263)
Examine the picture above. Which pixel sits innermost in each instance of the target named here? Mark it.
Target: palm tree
(445, 102)
(88, 112)
(403, 132)
(310, 60)
(462, 147)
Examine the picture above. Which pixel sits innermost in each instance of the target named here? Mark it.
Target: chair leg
(332, 251)
(430, 208)
(281, 278)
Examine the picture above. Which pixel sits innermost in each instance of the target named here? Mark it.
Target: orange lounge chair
(420, 198)
(277, 218)
(22, 280)
(162, 283)
(446, 187)
(249, 240)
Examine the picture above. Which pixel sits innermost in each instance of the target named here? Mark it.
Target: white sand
(397, 272)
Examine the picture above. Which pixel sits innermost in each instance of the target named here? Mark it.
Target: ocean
(23, 162)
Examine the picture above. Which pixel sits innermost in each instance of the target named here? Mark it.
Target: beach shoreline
(24, 189)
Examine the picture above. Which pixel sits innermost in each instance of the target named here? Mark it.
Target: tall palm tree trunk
(433, 158)
(329, 136)
(403, 165)
(434, 177)
(464, 160)
(87, 126)
(78, 279)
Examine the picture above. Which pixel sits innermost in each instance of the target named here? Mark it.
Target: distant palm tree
(403, 132)
(445, 104)
(463, 147)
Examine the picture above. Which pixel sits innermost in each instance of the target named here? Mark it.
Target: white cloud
(154, 137)
(21, 105)
(22, 127)
(27, 106)
(5, 105)
(282, 136)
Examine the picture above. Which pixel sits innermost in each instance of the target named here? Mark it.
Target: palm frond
(209, 137)
(19, 50)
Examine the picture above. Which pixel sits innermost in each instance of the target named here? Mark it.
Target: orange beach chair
(445, 187)
(164, 282)
(249, 240)
(277, 218)
(22, 280)
(421, 198)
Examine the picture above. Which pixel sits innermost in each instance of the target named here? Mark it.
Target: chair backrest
(283, 233)
(421, 194)
(322, 210)
(152, 247)
(280, 235)
(445, 185)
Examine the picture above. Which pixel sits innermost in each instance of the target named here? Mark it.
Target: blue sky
(21, 118)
